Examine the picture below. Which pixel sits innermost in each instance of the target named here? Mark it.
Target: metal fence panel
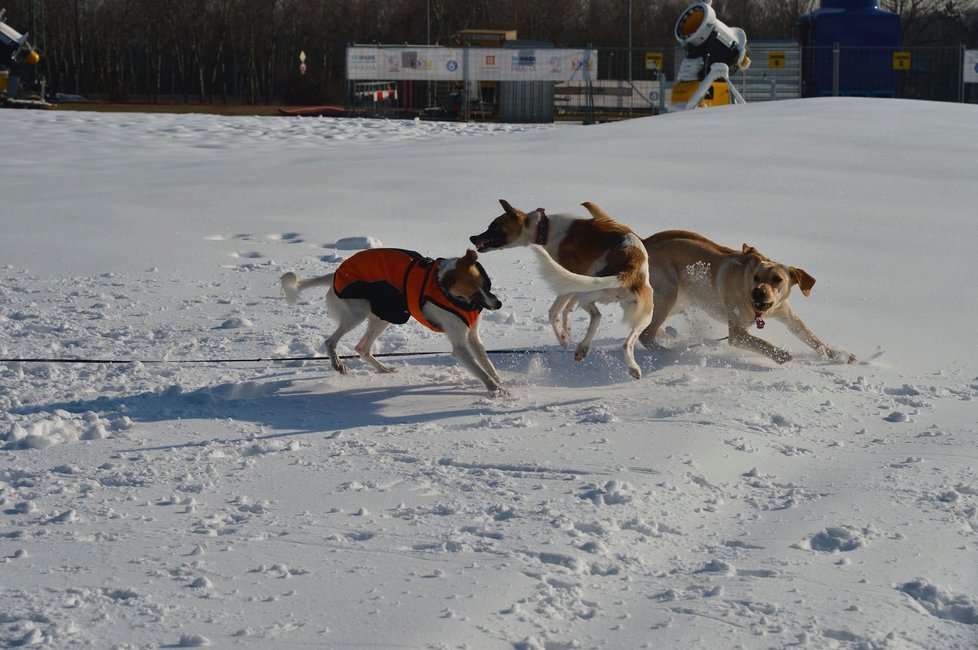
(626, 82)
(930, 73)
(526, 101)
(774, 72)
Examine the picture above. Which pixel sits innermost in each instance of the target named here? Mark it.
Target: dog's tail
(563, 281)
(292, 286)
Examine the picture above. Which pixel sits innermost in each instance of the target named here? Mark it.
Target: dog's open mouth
(485, 241)
(761, 307)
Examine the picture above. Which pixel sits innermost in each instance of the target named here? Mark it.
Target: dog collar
(543, 229)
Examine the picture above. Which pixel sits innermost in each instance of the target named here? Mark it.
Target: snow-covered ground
(721, 501)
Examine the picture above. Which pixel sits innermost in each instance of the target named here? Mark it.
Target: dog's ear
(470, 257)
(800, 277)
(750, 251)
(507, 207)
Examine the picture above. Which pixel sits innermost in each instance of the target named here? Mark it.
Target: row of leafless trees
(247, 50)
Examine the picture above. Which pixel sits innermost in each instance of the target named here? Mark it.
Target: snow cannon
(713, 51)
(15, 54)
(14, 46)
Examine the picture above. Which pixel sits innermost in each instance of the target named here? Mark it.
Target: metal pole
(835, 70)
(961, 78)
(465, 84)
(429, 85)
(631, 90)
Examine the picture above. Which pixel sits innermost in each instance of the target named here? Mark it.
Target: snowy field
(722, 501)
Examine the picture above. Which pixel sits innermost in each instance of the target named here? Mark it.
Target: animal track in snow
(838, 539)
(941, 602)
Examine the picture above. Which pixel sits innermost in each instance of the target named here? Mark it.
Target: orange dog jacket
(398, 283)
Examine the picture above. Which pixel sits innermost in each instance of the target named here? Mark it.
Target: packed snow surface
(185, 500)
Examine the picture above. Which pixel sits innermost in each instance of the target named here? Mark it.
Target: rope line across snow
(252, 360)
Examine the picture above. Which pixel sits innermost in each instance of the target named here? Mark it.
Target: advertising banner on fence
(369, 63)
(971, 66)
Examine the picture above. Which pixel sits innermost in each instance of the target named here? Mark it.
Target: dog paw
(837, 354)
(499, 391)
(781, 355)
(563, 336)
(581, 352)
(635, 372)
(341, 368)
(650, 342)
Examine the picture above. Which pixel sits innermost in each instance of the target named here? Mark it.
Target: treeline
(229, 51)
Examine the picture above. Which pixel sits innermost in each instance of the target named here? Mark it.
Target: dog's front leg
(458, 335)
(559, 315)
(800, 329)
(565, 317)
(585, 345)
(475, 343)
(741, 338)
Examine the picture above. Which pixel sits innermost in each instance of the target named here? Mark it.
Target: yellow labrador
(740, 288)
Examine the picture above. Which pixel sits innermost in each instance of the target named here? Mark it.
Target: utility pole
(630, 90)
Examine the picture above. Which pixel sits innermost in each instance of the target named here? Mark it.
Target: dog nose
(758, 294)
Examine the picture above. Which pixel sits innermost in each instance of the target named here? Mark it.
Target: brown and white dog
(606, 260)
(740, 288)
(387, 286)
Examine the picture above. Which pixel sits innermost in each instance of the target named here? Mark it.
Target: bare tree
(246, 50)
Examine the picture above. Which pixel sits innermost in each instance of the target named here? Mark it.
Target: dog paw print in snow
(193, 641)
(596, 415)
(611, 493)
(718, 568)
(235, 322)
(942, 603)
(897, 417)
(838, 538)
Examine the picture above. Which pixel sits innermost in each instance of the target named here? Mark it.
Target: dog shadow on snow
(289, 401)
(315, 399)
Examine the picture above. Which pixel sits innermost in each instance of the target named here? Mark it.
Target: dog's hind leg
(638, 315)
(375, 327)
(664, 300)
(559, 315)
(331, 343)
(348, 314)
